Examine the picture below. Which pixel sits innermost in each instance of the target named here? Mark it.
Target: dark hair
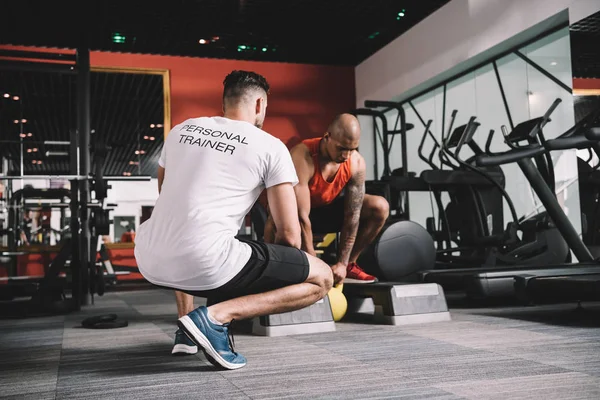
(237, 83)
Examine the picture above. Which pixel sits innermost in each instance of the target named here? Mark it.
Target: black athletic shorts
(270, 267)
(328, 218)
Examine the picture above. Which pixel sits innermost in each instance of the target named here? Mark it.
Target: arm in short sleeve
(280, 167)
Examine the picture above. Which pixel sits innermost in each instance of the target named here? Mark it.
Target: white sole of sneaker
(350, 280)
(184, 349)
(203, 342)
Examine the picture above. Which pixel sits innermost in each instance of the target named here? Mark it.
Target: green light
(264, 49)
(118, 38)
(241, 47)
(374, 35)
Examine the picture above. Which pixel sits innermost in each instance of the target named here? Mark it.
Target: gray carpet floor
(549, 352)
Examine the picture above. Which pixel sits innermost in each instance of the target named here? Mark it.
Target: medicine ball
(401, 249)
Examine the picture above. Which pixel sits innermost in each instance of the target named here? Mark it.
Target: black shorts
(328, 218)
(270, 267)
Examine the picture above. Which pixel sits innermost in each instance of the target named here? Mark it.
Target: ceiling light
(16, 121)
(553, 63)
(15, 98)
(146, 137)
(151, 137)
(29, 150)
(373, 35)
(39, 161)
(401, 14)
(202, 41)
(24, 121)
(22, 135)
(152, 125)
(29, 134)
(53, 153)
(34, 149)
(6, 95)
(159, 125)
(118, 38)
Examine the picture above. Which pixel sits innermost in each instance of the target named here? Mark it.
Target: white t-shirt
(215, 169)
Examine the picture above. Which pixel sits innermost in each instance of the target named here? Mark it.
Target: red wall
(304, 98)
(586, 84)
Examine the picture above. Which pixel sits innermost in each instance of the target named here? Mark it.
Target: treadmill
(566, 287)
(488, 282)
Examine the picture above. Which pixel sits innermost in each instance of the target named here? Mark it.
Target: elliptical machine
(467, 226)
(529, 241)
(474, 217)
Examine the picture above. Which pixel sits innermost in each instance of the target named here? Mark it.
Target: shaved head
(342, 137)
(345, 127)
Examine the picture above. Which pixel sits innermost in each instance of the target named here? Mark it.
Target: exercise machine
(573, 286)
(485, 282)
(393, 184)
(524, 241)
(471, 223)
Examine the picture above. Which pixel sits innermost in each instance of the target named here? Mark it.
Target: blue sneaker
(213, 339)
(183, 344)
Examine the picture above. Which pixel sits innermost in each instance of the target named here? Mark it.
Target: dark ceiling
(585, 47)
(342, 32)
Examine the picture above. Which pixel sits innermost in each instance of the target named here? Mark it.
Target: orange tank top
(323, 192)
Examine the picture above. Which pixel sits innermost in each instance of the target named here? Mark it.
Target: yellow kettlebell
(338, 302)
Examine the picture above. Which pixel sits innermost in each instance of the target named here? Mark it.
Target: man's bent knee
(377, 208)
(320, 274)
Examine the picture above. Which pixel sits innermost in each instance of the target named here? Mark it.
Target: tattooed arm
(353, 201)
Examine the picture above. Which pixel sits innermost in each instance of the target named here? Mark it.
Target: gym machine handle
(510, 156)
(488, 142)
(546, 117)
(578, 136)
(450, 125)
(445, 142)
(421, 145)
(572, 142)
(593, 134)
(537, 130)
(467, 135)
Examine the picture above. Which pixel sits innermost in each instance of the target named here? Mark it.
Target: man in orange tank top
(331, 196)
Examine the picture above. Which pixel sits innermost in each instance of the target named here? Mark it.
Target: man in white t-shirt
(211, 172)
